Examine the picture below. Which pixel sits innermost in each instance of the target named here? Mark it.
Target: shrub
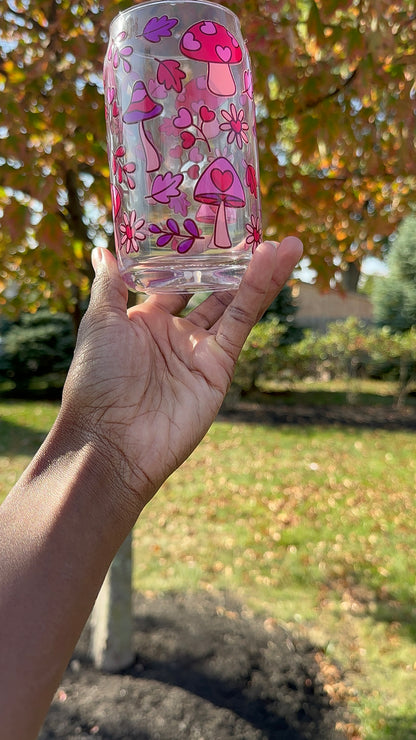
(260, 357)
(40, 344)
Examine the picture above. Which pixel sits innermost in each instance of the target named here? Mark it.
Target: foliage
(348, 349)
(284, 308)
(388, 348)
(394, 296)
(339, 352)
(37, 345)
(260, 354)
(334, 83)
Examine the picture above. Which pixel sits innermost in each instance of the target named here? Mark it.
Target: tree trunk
(111, 621)
(351, 275)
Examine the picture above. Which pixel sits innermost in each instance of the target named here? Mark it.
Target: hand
(145, 385)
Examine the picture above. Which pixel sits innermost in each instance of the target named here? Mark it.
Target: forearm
(60, 527)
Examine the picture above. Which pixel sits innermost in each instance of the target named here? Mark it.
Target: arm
(143, 388)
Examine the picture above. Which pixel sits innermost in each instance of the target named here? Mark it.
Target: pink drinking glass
(182, 147)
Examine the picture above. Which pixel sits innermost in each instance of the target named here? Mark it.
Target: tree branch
(314, 103)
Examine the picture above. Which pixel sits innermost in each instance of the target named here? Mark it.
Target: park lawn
(312, 527)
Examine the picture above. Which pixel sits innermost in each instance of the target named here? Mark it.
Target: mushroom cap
(207, 41)
(141, 107)
(220, 183)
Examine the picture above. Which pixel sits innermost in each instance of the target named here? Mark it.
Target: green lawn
(313, 527)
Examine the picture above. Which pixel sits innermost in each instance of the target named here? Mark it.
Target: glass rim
(151, 3)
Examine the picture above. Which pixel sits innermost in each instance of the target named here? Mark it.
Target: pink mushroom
(220, 186)
(142, 108)
(210, 42)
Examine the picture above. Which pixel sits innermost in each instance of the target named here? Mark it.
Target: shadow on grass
(397, 612)
(319, 408)
(17, 439)
(43, 388)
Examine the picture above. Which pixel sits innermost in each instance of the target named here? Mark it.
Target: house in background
(317, 309)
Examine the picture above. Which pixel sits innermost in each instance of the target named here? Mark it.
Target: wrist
(86, 474)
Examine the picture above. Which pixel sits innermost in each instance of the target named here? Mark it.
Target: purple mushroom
(142, 108)
(220, 186)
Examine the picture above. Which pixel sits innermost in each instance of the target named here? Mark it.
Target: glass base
(186, 274)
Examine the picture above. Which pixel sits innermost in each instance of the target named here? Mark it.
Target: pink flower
(254, 232)
(130, 231)
(236, 125)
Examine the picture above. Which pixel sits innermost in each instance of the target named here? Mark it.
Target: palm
(149, 383)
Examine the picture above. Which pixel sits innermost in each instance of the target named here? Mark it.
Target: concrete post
(111, 621)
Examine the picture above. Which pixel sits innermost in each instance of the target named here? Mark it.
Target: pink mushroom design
(142, 108)
(210, 42)
(220, 186)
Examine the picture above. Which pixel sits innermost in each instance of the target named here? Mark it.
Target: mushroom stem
(221, 235)
(220, 80)
(151, 154)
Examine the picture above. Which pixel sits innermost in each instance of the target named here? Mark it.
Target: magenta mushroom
(210, 42)
(142, 108)
(220, 186)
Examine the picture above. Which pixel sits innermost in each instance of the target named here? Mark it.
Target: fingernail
(270, 243)
(97, 257)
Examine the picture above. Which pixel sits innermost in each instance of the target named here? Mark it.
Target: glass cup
(182, 147)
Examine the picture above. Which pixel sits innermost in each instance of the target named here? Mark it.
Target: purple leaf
(165, 187)
(158, 28)
(154, 229)
(191, 227)
(185, 245)
(164, 239)
(173, 226)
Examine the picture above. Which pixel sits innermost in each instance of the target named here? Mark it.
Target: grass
(312, 527)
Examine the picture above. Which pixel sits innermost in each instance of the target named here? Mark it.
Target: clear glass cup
(182, 147)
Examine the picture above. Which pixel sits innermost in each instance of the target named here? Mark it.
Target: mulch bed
(205, 670)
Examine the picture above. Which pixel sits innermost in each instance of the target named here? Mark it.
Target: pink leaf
(156, 90)
(251, 180)
(170, 75)
(165, 187)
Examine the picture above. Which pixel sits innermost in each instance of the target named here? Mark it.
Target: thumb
(108, 290)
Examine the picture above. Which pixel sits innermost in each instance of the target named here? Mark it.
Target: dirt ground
(206, 670)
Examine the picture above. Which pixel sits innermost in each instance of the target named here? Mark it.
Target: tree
(284, 308)
(394, 296)
(334, 82)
